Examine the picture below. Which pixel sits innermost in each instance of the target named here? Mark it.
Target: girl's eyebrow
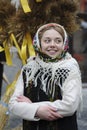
(55, 37)
(58, 38)
(46, 38)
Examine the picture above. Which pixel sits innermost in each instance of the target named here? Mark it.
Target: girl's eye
(47, 40)
(58, 41)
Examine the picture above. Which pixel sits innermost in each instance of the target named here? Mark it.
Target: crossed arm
(45, 112)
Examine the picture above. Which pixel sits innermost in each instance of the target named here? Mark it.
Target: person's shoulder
(31, 59)
(73, 66)
(30, 62)
(71, 58)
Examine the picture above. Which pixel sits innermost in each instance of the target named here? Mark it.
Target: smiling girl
(48, 91)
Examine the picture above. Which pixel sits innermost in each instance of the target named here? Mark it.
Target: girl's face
(52, 43)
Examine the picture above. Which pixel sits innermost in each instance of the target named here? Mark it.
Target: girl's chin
(53, 56)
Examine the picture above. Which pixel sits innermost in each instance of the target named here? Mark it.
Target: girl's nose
(52, 43)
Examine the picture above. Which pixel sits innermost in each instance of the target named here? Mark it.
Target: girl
(48, 91)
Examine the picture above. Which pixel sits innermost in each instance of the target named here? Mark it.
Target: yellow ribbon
(18, 48)
(30, 45)
(0, 28)
(27, 47)
(7, 53)
(27, 44)
(10, 88)
(25, 6)
(1, 49)
(38, 0)
(24, 49)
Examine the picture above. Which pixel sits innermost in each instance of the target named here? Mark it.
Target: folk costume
(53, 81)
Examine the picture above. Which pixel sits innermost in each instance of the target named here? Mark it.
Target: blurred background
(80, 41)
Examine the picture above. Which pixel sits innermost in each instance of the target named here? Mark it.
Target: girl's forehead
(51, 33)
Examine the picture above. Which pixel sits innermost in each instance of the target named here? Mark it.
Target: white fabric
(36, 40)
(71, 92)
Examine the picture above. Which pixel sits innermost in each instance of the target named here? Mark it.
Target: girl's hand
(47, 113)
(22, 98)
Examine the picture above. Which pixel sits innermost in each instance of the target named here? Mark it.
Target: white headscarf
(36, 41)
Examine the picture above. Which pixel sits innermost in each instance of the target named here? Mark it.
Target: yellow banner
(25, 6)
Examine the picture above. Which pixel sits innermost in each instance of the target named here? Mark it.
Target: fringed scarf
(50, 74)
